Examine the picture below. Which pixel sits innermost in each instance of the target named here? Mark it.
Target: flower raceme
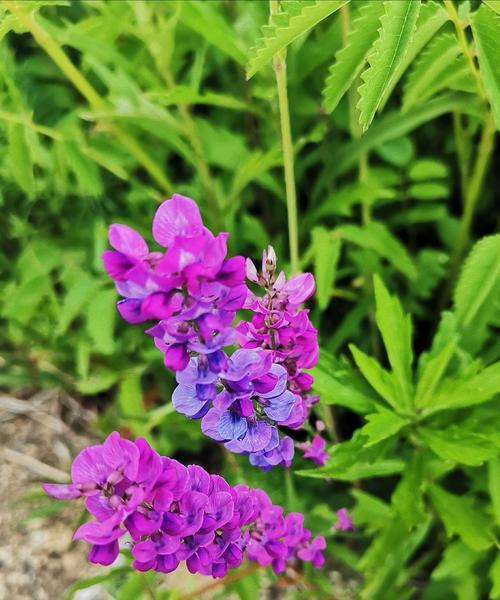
(174, 513)
(192, 292)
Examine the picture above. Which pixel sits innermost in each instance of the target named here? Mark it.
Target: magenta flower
(315, 450)
(344, 521)
(171, 514)
(192, 292)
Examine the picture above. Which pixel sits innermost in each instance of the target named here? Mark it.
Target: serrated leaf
(461, 518)
(287, 26)
(326, 254)
(376, 236)
(396, 330)
(479, 277)
(458, 445)
(431, 65)
(377, 377)
(431, 18)
(350, 59)
(397, 25)
(100, 321)
(486, 30)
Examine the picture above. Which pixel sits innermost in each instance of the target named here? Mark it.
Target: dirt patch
(37, 559)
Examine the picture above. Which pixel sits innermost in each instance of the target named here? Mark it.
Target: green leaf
(204, 18)
(130, 396)
(99, 381)
(407, 497)
(431, 18)
(77, 296)
(486, 30)
(350, 59)
(100, 321)
(377, 377)
(433, 372)
(458, 560)
(431, 65)
(493, 4)
(397, 152)
(458, 445)
(494, 574)
(494, 487)
(430, 190)
(83, 584)
(326, 253)
(461, 518)
(376, 236)
(478, 279)
(353, 460)
(427, 168)
(396, 124)
(370, 510)
(287, 26)
(396, 330)
(397, 26)
(466, 391)
(382, 425)
(21, 161)
(338, 384)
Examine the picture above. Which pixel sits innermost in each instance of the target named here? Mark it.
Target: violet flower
(171, 514)
(315, 450)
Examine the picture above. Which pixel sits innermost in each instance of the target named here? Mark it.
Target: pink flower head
(180, 514)
(315, 450)
(344, 521)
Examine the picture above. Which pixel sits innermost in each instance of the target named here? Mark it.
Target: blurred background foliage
(106, 108)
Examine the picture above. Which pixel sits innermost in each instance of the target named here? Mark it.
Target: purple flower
(344, 521)
(315, 450)
(173, 513)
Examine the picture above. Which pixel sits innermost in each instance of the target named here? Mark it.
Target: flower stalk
(279, 64)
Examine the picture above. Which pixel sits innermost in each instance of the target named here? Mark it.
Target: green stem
(57, 54)
(466, 50)
(473, 189)
(279, 64)
(463, 161)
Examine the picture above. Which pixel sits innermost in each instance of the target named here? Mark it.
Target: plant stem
(464, 46)
(463, 159)
(473, 189)
(57, 54)
(279, 64)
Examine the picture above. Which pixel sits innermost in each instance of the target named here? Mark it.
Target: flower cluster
(281, 326)
(191, 289)
(174, 513)
(194, 292)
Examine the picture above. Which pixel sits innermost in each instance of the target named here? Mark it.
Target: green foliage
(297, 18)
(486, 25)
(107, 107)
(396, 30)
